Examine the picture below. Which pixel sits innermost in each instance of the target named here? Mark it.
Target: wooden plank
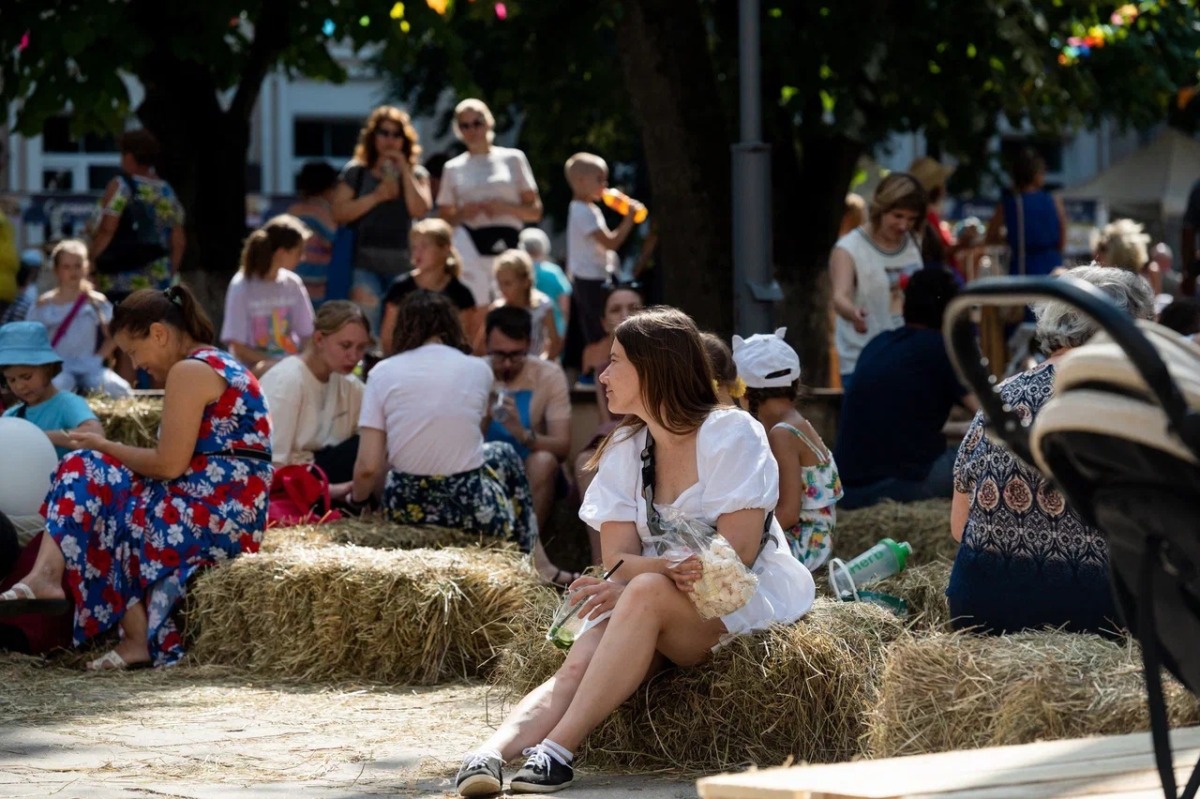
(950, 771)
(1133, 783)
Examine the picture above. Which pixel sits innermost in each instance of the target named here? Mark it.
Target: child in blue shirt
(28, 364)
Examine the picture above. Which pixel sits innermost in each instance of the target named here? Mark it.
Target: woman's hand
(83, 440)
(600, 595)
(685, 573)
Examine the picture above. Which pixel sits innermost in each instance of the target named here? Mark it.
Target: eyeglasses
(511, 355)
(389, 133)
(475, 123)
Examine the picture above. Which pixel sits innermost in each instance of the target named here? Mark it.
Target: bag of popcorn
(725, 583)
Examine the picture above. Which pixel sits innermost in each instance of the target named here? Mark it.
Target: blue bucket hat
(26, 344)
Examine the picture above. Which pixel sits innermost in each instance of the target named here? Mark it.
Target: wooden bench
(1118, 765)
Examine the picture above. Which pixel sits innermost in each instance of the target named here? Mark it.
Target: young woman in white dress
(710, 463)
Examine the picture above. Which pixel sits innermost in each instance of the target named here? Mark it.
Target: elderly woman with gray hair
(1026, 559)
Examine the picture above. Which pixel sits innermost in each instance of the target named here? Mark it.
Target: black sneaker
(541, 773)
(479, 775)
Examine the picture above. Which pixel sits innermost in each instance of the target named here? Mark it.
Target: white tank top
(877, 275)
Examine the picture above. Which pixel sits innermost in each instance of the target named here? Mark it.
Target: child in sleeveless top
(514, 277)
(809, 487)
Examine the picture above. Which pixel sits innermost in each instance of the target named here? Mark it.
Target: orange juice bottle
(619, 202)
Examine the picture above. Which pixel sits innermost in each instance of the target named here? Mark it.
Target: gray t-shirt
(385, 227)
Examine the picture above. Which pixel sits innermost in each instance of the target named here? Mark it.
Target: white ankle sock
(489, 753)
(558, 752)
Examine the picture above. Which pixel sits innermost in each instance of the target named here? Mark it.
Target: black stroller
(1121, 438)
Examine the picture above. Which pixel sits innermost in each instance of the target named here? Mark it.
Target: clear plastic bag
(725, 583)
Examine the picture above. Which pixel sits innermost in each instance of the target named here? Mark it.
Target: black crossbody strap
(652, 518)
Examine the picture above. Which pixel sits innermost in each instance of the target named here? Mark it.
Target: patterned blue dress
(128, 538)
(1027, 559)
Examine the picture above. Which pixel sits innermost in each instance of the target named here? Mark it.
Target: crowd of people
(426, 384)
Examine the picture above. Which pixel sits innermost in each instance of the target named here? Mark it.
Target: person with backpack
(139, 241)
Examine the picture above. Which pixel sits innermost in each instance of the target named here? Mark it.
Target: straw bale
(129, 420)
(378, 532)
(963, 691)
(793, 691)
(925, 525)
(346, 612)
(922, 587)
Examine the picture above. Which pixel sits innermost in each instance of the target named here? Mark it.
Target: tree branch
(272, 34)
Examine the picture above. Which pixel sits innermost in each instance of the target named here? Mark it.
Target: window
(325, 138)
(57, 138)
(100, 175)
(58, 180)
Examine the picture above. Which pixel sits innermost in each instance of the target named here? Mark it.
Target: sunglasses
(389, 133)
(476, 123)
(513, 355)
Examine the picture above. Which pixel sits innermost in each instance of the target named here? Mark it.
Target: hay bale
(129, 420)
(377, 532)
(923, 588)
(925, 525)
(797, 691)
(333, 612)
(963, 691)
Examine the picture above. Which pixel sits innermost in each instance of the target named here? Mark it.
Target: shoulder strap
(71, 314)
(808, 442)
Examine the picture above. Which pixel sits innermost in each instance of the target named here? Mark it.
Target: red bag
(299, 495)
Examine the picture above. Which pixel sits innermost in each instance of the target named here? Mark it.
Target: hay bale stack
(797, 691)
(962, 691)
(925, 525)
(129, 420)
(344, 612)
(378, 532)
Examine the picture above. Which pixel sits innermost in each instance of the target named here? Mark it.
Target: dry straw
(129, 420)
(797, 691)
(925, 525)
(377, 532)
(345, 612)
(962, 691)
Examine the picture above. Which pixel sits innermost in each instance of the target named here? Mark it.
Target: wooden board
(1092, 767)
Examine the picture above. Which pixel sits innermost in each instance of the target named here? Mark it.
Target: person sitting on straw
(130, 526)
(421, 436)
(1027, 560)
(29, 365)
(315, 399)
(710, 464)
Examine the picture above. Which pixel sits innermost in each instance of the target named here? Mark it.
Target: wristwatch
(529, 438)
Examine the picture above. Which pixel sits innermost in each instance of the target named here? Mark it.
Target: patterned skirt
(493, 500)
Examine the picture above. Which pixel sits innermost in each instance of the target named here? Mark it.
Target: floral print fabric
(493, 500)
(1027, 559)
(168, 212)
(128, 538)
(811, 538)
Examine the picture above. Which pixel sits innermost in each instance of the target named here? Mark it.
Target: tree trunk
(669, 77)
(813, 188)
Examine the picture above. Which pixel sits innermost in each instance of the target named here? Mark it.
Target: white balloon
(27, 462)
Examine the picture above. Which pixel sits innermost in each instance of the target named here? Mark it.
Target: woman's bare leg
(134, 646)
(543, 707)
(652, 616)
(45, 578)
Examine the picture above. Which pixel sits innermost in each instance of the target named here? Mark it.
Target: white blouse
(736, 472)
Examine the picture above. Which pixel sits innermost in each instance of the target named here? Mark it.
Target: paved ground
(209, 734)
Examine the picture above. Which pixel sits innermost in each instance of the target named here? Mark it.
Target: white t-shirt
(737, 472)
(877, 275)
(587, 258)
(501, 173)
(429, 402)
(306, 414)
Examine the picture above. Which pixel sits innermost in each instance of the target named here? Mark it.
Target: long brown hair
(423, 315)
(283, 232)
(673, 369)
(366, 153)
(176, 306)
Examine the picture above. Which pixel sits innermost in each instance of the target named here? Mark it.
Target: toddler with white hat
(809, 487)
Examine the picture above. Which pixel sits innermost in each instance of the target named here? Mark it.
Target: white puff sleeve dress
(737, 472)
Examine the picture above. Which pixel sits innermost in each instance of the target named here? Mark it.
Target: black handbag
(493, 239)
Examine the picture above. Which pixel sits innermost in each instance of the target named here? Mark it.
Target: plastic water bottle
(498, 409)
(882, 560)
(619, 202)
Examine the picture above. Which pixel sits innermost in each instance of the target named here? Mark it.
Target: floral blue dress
(811, 538)
(127, 538)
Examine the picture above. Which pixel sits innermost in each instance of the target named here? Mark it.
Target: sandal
(20, 599)
(559, 583)
(111, 661)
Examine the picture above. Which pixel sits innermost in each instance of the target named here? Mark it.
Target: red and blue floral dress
(127, 538)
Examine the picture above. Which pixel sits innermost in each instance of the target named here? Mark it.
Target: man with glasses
(531, 408)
